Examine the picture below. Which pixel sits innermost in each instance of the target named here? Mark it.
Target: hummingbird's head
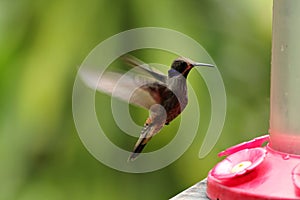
(184, 65)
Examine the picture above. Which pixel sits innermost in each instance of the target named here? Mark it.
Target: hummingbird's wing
(132, 88)
(140, 65)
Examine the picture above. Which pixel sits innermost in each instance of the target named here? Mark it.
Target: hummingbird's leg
(148, 121)
(167, 123)
(153, 124)
(145, 136)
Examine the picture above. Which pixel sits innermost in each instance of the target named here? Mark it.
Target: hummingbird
(165, 96)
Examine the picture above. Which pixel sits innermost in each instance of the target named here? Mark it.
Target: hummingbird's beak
(203, 64)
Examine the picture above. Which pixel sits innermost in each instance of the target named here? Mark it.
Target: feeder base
(278, 177)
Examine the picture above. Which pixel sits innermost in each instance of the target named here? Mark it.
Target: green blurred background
(42, 44)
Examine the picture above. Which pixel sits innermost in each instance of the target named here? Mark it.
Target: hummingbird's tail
(142, 141)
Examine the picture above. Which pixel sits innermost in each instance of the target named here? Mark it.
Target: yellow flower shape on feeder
(296, 176)
(239, 163)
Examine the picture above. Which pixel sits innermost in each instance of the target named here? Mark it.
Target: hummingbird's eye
(179, 65)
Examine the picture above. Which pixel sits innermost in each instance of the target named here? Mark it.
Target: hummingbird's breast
(175, 98)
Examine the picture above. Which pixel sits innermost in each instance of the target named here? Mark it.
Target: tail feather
(141, 143)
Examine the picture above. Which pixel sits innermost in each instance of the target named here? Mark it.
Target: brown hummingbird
(164, 96)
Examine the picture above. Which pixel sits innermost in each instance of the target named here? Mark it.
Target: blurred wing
(126, 87)
(134, 62)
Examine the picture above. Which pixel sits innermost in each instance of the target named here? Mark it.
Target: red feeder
(251, 171)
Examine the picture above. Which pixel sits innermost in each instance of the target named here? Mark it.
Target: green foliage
(44, 42)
